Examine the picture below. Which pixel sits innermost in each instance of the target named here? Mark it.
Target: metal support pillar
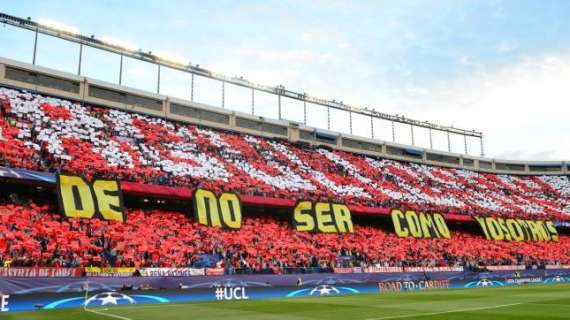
(80, 58)
(121, 71)
(158, 81)
(328, 118)
(279, 106)
(304, 112)
(372, 127)
(192, 87)
(35, 47)
(252, 101)
(223, 94)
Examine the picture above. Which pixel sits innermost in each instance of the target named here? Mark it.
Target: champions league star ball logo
(106, 298)
(483, 283)
(556, 279)
(324, 290)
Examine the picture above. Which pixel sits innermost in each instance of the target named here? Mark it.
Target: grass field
(528, 302)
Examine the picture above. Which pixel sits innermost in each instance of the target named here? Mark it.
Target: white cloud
(269, 66)
(534, 156)
(282, 56)
(523, 108)
(319, 34)
(506, 47)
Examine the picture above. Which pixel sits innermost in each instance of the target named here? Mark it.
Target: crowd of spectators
(50, 134)
(32, 235)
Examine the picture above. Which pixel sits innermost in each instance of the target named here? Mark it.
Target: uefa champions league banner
(23, 174)
(17, 286)
(57, 293)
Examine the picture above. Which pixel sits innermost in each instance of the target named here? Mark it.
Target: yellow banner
(109, 270)
(325, 217)
(501, 229)
(222, 212)
(80, 199)
(419, 224)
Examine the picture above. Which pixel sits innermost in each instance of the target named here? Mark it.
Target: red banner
(182, 193)
(214, 271)
(140, 189)
(35, 272)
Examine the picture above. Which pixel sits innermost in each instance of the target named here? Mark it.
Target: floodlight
(57, 26)
(169, 57)
(121, 44)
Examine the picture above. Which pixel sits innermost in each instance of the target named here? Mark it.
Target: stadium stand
(114, 197)
(55, 135)
(50, 134)
(32, 235)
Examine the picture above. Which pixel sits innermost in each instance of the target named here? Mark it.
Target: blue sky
(501, 67)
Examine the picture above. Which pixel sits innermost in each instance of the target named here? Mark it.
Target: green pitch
(527, 302)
